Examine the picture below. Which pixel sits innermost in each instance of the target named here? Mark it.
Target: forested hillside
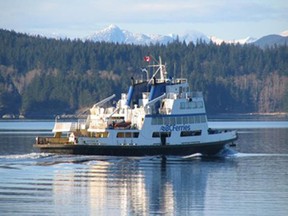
(42, 77)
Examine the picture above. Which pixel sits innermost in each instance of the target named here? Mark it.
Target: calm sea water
(249, 179)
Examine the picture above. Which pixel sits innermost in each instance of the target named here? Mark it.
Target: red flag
(147, 58)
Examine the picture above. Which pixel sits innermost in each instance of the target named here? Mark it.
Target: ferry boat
(157, 116)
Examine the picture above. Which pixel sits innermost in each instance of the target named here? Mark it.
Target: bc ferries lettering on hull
(158, 116)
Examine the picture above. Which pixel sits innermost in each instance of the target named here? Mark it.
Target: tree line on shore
(41, 77)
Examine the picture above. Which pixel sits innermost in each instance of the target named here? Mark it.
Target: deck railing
(51, 140)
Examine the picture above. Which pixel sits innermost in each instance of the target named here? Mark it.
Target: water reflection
(102, 188)
(134, 187)
(78, 185)
(106, 188)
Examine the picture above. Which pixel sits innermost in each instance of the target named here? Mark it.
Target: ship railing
(69, 126)
(172, 96)
(220, 131)
(196, 94)
(97, 125)
(180, 80)
(193, 94)
(187, 95)
(63, 126)
(51, 140)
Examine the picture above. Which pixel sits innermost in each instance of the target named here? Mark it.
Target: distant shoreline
(252, 116)
(280, 115)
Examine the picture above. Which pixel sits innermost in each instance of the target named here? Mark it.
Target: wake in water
(25, 156)
(46, 159)
(228, 152)
(240, 155)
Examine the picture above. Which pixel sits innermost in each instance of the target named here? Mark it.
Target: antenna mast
(160, 68)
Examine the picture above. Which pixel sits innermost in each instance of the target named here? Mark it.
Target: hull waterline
(168, 150)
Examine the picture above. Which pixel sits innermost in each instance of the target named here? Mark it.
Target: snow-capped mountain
(116, 35)
(194, 36)
(110, 34)
(284, 33)
(246, 40)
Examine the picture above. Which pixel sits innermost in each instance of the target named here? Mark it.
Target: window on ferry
(161, 134)
(156, 134)
(101, 134)
(166, 120)
(120, 135)
(197, 119)
(203, 118)
(186, 120)
(191, 119)
(172, 120)
(135, 134)
(159, 120)
(179, 120)
(123, 135)
(128, 135)
(190, 133)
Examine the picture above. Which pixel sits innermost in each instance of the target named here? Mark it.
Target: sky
(225, 19)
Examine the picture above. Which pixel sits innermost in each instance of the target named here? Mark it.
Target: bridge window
(186, 120)
(197, 119)
(191, 105)
(203, 118)
(179, 120)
